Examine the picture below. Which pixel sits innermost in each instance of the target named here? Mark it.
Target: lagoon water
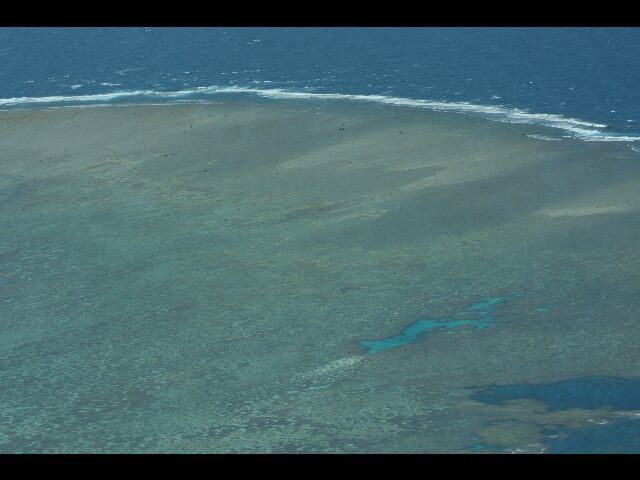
(278, 240)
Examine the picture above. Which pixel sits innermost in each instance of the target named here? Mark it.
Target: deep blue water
(585, 392)
(621, 435)
(582, 73)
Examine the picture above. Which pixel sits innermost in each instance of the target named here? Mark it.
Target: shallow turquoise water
(420, 328)
(215, 301)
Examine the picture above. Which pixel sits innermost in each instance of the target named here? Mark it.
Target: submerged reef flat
(314, 276)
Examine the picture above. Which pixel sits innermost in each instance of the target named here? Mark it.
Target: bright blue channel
(482, 311)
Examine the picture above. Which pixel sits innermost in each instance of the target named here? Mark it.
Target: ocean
(322, 240)
(581, 80)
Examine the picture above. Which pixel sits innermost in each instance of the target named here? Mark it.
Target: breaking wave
(588, 131)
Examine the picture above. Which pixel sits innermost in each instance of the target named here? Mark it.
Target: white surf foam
(584, 130)
(581, 129)
(544, 137)
(98, 97)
